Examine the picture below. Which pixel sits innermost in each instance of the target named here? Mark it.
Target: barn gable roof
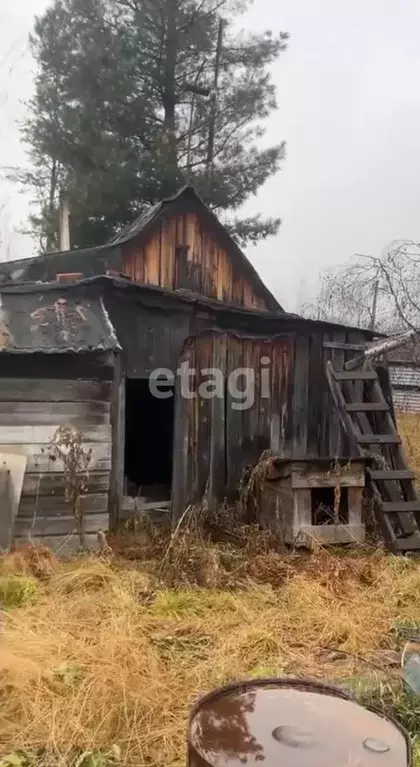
(91, 262)
(188, 195)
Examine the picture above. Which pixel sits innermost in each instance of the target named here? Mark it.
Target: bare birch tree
(377, 292)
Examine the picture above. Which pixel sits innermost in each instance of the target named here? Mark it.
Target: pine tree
(125, 102)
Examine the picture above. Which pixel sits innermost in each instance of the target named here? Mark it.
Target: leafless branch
(347, 293)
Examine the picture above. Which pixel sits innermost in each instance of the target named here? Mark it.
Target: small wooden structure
(314, 501)
(172, 290)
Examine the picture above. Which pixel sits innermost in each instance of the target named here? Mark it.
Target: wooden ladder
(370, 426)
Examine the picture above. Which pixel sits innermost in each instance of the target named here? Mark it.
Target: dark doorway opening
(149, 424)
(329, 506)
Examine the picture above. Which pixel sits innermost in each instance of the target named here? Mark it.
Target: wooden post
(7, 518)
(217, 472)
(335, 430)
(300, 397)
(118, 445)
(181, 455)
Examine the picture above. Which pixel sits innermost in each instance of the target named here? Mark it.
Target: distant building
(404, 371)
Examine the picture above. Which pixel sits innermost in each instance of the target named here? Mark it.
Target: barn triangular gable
(180, 244)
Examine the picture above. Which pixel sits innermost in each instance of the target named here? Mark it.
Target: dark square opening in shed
(148, 441)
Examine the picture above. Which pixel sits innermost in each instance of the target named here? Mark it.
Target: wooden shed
(83, 353)
(84, 334)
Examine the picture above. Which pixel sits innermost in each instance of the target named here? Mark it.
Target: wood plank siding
(31, 410)
(215, 441)
(183, 253)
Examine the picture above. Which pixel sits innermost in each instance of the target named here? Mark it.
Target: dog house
(314, 501)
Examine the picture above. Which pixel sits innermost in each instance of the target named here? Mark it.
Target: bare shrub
(67, 446)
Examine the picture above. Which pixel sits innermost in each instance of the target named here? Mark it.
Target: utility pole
(213, 111)
(64, 221)
(196, 90)
(169, 90)
(374, 305)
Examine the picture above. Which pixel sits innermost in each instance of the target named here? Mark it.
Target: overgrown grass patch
(390, 696)
(107, 657)
(17, 590)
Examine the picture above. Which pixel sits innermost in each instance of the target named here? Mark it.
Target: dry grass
(409, 429)
(106, 655)
(107, 658)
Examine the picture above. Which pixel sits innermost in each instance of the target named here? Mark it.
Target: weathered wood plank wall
(183, 252)
(214, 438)
(214, 442)
(31, 410)
(151, 336)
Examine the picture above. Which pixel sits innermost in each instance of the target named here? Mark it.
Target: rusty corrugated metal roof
(141, 222)
(101, 284)
(91, 262)
(54, 322)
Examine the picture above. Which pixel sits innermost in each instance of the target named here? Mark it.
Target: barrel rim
(308, 685)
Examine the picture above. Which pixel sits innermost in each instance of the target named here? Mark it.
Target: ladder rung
(355, 375)
(391, 474)
(378, 439)
(400, 507)
(366, 407)
(409, 543)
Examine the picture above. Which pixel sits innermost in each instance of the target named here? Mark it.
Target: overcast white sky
(349, 109)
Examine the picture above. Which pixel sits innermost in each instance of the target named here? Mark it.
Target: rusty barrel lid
(291, 723)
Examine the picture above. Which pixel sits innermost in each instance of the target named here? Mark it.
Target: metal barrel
(291, 723)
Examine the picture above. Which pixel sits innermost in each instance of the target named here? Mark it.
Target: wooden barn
(86, 335)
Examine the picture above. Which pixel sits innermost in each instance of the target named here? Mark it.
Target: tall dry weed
(409, 429)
